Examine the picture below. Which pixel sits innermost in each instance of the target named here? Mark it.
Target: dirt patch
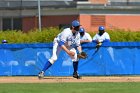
(67, 79)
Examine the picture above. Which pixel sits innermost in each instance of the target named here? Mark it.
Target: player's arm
(95, 39)
(79, 48)
(107, 38)
(67, 51)
(84, 41)
(61, 43)
(89, 39)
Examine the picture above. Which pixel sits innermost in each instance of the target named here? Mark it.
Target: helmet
(101, 28)
(75, 23)
(81, 30)
(4, 41)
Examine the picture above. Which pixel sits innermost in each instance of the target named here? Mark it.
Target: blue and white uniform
(67, 38)
(86, 36)
(103, 38)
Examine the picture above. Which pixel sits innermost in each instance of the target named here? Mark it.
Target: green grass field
(129, 87)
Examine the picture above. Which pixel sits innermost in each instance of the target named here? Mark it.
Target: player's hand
(71, 53)
(81, 41)
(98, 45)
(82, 55)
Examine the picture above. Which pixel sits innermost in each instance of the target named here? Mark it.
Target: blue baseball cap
(101, 28)
(75, 23)
(81, 30)
(4, 41)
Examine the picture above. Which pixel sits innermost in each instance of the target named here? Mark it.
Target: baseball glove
(82, 55)
(98, 45)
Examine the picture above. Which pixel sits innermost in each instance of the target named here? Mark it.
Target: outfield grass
(129, 87)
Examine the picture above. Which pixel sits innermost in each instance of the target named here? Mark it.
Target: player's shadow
(58, 78)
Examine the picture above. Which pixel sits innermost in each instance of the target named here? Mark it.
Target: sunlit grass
(96, 87)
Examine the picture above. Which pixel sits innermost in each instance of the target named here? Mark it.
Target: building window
(17, 24)
(97, 20)
(11, 24)
(6, 24)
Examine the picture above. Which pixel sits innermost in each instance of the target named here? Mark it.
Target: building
(23, 14)
(123, 14)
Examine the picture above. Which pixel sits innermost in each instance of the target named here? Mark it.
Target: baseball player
(69, 41)
(84, 36)
(4, 41)
(102, 36)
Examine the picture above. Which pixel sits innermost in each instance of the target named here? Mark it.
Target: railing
(114, 58)
(21, 4)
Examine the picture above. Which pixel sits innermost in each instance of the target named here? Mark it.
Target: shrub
(48, 34)
(33, 36)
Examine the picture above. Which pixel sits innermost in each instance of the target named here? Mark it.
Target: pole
(39, 16)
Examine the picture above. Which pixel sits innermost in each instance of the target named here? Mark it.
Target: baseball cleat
(75, 75)
(41, 75)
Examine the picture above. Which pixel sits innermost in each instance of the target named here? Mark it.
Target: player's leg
(75, 67)
(75, 64)
(56, 50)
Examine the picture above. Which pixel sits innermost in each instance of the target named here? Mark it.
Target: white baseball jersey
(101, 38)
(68, 38)
(86, 36)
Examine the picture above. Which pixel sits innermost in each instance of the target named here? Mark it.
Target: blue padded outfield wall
(114, 58)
